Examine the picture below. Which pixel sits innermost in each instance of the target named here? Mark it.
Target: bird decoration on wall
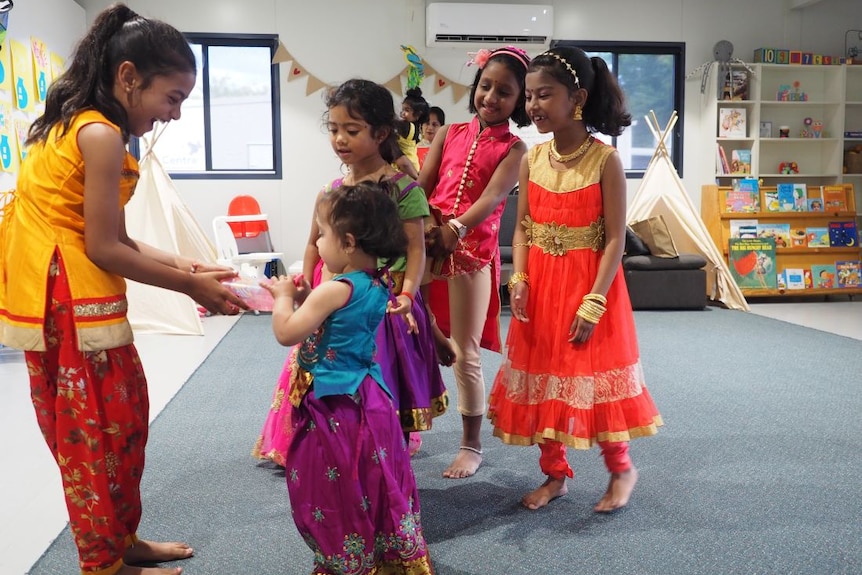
(722, 54)
(415, 67)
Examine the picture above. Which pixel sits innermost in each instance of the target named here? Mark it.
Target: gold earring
(578, 115)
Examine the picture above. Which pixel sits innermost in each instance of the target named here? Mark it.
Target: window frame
(206, 40)
(674, 49)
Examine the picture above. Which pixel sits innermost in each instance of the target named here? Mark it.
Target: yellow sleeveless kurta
(46, 213)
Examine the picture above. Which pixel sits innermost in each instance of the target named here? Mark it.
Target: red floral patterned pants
(93, 410)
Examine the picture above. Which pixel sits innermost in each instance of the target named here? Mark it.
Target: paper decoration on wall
(5, 68)
(21, 128)
(22, 75)
(314, 83)
(58, 66)
(41, 68)
(415, 69)
(8, 150)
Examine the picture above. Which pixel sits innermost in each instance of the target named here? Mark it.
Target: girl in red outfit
(63, 255)
(577, 381)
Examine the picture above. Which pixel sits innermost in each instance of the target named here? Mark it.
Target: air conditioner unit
(486, 25)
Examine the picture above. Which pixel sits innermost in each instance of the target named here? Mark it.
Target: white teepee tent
(156, 215)
(661, 192)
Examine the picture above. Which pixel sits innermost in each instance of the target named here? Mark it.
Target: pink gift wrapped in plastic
(256, 297)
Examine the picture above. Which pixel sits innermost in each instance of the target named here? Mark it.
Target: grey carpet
(757, 470)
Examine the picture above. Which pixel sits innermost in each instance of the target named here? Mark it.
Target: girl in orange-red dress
(572, 376)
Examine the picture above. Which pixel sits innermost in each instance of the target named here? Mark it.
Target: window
(230, 126)
(652, 78)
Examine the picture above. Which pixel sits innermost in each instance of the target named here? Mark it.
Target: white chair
(250, 265)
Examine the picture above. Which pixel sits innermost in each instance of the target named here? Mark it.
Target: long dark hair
(605, 109)
(118, 35)
(371, 103)
(413, 98)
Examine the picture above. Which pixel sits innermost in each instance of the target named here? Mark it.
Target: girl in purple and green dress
(352, 490)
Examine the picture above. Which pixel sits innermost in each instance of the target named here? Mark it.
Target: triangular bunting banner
(440, 82)
(281, 54)
(394, 84)
(314, 84)
(296, 72)
(459, 91)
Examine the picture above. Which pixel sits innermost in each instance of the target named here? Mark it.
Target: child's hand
(303, 288)
(403, 305)
(202, 267)
(581, 330)
(518, 301)
(280, 286)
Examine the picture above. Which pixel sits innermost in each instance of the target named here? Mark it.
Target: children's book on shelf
(848, 274)
(779, 281)
(817, 237)
(823, 275)
(815, 205)
(798, 237)
(843, 234)
(786, 198)
(743, 228)
(834, 198)
(732, 123)
(740, 161)
(722, 166)
(752, 262)
(770, 200)
(794, 278)
(779, 232)
(809, 282)
(735, 85)
(800, 198)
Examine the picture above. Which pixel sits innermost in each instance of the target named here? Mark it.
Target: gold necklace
(563, 158)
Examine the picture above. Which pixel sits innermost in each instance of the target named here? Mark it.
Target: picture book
(721, 164)
(752, 262)
(735, 85)
(815, 205)
(747, 185)
(800, 198)
(794, 278)
(798, 237)
(740, 161)
(848, 274)
(743, 228)
(779, 279)
(843, 234)
(732, 123)
(786, 197)
(834, 198)
(809, 282)
(770, 199)
(817, 237)
(739, 201)
(823, 276)
(780, 233)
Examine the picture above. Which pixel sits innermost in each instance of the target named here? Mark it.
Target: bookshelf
(718, 222)
(833, 99)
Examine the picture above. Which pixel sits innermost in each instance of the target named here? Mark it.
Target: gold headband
(564, 63)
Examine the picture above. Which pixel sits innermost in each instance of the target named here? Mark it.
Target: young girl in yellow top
(64, 254)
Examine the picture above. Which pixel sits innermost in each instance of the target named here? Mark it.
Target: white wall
(66, 24)
(339, 39)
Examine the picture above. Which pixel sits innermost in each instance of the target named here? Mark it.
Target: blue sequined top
(341, 352)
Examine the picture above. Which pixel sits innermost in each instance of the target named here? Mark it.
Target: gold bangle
(596, 297)
(518, 277)
(522, 245)
(591, 311)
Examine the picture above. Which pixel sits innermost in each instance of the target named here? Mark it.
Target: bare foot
(545, 493)
(619, 491)
(465, 464)
(156, 552)
(445, 351)
(129, 570)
